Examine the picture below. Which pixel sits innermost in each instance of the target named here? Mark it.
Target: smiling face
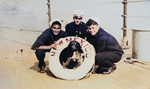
(93, 29)
(56, 29)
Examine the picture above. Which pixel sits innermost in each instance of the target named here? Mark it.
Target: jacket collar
(79, 24)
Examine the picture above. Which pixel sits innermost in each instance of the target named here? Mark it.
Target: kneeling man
(46, 41)
(108, 50)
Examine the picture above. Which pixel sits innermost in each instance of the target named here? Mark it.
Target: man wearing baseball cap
(77, 27)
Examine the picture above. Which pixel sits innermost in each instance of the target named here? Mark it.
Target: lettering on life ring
(72, 74)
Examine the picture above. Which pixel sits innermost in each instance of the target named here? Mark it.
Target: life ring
(72, 74)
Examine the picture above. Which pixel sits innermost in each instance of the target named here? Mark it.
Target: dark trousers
(106, 60)
(40, 54)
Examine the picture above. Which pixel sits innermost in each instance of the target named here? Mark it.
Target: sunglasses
(78, 18)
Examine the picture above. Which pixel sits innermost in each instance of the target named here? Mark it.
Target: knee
(39, 52)
(98, 57)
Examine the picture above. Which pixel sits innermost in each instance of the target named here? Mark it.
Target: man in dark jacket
(77, 27)
(46, 41)
(108, 50)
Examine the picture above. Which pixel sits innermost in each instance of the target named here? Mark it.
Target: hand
(51, 46)
(56, 46)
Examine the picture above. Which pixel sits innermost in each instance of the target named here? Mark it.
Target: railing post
(49, 11)
(124, 40)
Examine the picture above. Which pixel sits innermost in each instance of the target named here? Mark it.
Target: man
(108, 50)
(46, 41)
(77, 27)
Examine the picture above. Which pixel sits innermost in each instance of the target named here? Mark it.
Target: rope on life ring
(72, 74)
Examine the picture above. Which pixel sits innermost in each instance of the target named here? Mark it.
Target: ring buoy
(72, 74)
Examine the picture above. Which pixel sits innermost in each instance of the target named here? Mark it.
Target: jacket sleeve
(39, 41)
(101, 44)
(67, 29)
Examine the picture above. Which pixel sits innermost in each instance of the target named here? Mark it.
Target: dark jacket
(76, 30)
(104, 42)
(47, 38)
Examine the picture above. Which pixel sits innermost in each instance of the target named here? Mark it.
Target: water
(32, 15)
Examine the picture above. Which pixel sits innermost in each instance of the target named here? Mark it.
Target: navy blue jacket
(47, 38)
(104, 42)
(76, 30)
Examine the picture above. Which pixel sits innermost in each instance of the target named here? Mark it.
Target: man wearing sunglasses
(46, 41)
(77, 27)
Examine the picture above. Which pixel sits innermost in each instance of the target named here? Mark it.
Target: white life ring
(72, 74)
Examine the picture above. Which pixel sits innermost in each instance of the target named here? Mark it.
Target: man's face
(77, 19)
(93, 29)
(56, 29)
